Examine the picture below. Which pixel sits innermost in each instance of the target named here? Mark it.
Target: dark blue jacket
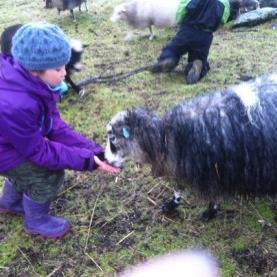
(204, 15)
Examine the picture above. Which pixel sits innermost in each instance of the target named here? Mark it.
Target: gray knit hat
(41, 46)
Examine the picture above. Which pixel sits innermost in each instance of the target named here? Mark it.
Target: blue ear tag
(125, 133)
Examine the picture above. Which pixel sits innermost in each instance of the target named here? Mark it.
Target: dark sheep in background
(48, 4)
(6, 38)
(221, 143)
(63, 5)
(74, 64)
(249, 5)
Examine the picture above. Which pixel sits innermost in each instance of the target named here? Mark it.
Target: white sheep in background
(141, 14)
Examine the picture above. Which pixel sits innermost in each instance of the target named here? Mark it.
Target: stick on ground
(114, 77)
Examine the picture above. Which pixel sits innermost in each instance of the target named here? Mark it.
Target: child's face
(52, 77)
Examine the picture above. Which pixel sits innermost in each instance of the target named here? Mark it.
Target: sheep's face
(249, 5)
(119, 141)
(119, 13)
(77, 49)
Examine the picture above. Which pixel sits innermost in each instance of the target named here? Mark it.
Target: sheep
(141, 14)
(62, 5)
(48, 4)
(74, 65)
(188, 262)
(6, 38)
(249, 5)
(221, 143)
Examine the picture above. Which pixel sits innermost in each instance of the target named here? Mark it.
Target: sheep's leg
(72, 84)
(129, 36)
(211, 212)
(72, 14)
(171, 205)
(48, 4)
(151, 33)
(86, 6)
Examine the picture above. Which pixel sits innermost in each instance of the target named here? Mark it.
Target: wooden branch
(94, 261)
(54, 271)
(113, 77)
(91, 218)
(27, 259)
(125, 237)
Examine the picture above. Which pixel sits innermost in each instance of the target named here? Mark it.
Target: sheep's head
(119, 140)
(138, 133)
(119, 13)
(77, 49)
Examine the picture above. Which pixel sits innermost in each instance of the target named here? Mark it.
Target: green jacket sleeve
(181, 11)
(226, 13)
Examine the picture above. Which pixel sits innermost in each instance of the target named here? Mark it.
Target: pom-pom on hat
(41, 46)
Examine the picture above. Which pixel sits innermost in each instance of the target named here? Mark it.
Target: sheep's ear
(126, 133)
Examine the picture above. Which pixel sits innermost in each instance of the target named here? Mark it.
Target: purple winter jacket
(31, 128)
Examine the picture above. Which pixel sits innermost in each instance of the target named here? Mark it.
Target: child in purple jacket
(36, 145)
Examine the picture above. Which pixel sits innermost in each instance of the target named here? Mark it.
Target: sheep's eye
(111, 136)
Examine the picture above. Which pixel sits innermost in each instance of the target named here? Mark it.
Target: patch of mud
(256, 259)
(21, 263)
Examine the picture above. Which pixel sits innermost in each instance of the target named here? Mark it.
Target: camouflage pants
(40, 184)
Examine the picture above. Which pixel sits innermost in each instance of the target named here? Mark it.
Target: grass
(115, 221)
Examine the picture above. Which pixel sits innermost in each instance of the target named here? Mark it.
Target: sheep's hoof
(211, 212)
(169, 207)
(128, 38)
(82, 92)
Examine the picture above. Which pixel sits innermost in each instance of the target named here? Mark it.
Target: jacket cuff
(88, 159)
(86, 164)
(101, 157)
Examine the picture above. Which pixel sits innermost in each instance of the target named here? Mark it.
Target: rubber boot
(11, 200)
(37, 221)
(194, 73)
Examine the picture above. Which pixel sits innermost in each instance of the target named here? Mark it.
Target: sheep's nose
(113, 18)
(115, 164)
(78, 66)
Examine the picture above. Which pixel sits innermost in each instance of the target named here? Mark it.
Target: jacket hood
(13, 77)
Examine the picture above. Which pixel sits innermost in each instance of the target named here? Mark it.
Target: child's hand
(105, 167)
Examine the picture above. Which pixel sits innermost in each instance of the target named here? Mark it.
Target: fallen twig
(152, 201)
(105, 223)
(91, 218)
(54, 271)
(114, 77)
(125, 237)
(27, 259)
(153, 188)
(94, 261)
(169, 219)
(63, 192)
